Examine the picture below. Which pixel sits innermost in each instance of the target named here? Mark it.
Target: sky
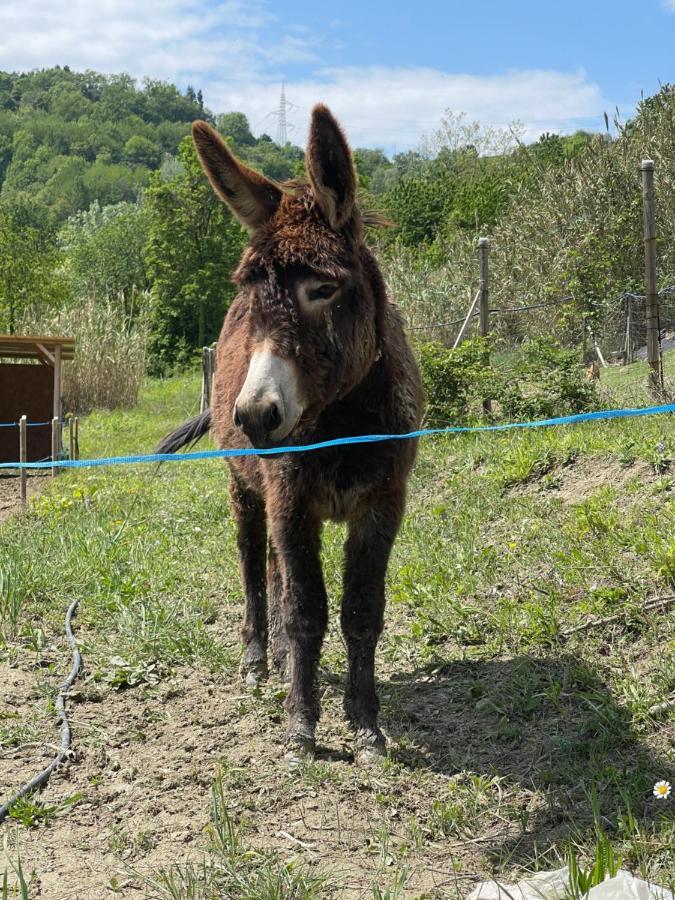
(388, 70)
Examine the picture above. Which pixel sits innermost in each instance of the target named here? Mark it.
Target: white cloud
(169, 39)
(396, 106)
(238, 52)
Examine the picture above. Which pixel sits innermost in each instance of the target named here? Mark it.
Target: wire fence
(618, 329)
(615, 330)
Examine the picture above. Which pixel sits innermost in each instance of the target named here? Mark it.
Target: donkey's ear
(251, 197)
(330, 167)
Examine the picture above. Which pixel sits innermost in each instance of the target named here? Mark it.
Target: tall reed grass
(110, 351)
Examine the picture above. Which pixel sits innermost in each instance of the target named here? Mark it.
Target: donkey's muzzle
(258, 420)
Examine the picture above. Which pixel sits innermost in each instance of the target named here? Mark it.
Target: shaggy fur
(358, 376)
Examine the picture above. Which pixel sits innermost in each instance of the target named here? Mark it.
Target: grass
(235, 870)
(511, 735)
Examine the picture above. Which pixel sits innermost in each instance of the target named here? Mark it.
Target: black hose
(40, 780)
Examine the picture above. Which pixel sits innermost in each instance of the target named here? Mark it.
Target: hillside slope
(520, 675)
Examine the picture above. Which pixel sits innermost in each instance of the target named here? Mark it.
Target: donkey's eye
(323, 291)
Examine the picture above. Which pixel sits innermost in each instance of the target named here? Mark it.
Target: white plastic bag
(553, 886)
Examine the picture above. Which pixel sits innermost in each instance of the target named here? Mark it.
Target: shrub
(454, 380)
(542, 380)
(547, 381)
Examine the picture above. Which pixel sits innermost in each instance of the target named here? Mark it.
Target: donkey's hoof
(253, 672)
(371, 747)
(298, 748)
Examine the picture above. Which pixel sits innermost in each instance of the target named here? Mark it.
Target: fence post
(629, 330)
(483, 250)
(76, 435)
(655, 377)
(71, 437)
(23, 456)
(56, 434)
(208, 366)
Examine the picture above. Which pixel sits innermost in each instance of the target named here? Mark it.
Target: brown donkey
(311, 349)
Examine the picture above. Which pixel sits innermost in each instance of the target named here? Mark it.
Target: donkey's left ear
(330, 168)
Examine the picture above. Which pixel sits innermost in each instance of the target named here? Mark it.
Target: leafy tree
(235, 125)
(193, 246)
(29, 278)
(368, 162)
(52, 116)
(280, 163)
(103, 251)
(139, 151)
(418, 207)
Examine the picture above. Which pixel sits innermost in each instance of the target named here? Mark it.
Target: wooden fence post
(56, 436)
(76, 434)
(655, 377)
(483, 250)
(71, 437)
(208, 368)
(23, 455)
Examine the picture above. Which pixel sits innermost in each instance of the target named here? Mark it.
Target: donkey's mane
(371, 218)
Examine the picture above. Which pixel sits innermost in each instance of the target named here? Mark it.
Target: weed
(606, 863)
(31, 811)
(11, 604)
(15, 866)
(396, 887)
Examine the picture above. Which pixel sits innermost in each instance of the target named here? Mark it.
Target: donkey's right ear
(252, 198)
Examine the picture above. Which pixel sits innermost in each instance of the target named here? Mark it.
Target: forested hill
(107, 223)
(68, 139)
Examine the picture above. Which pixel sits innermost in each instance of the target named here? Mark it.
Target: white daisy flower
(662, 790)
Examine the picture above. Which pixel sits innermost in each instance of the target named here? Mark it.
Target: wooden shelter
(33, 391)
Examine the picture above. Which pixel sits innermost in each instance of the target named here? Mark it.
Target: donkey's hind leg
(369, 543)
(249, 513)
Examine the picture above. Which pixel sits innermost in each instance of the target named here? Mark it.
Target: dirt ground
(9, 492)
(145, 758)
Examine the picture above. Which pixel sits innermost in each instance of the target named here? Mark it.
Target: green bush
(454, 380)
(543, 380)
(547, 381)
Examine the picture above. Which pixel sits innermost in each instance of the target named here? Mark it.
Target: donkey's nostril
(273, 417)
(237, 418)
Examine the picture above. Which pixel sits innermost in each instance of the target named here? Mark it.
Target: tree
(235, 125)
(29, 279)
(193, 246)
(103, 250)
(139, 151)
(367, 162)
(418, 207)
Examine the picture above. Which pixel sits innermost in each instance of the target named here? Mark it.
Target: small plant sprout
(662, 790)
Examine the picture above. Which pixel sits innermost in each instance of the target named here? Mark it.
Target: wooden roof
(33, 346)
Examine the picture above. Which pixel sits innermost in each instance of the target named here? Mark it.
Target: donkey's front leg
(275, 614)
(370, 539)
(296, 539)
(249, 513)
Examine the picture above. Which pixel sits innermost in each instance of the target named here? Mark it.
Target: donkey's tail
(187, 433)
